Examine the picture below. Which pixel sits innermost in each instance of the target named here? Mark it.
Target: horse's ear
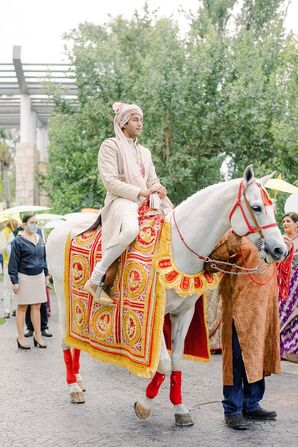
(248, 175)
(265, 179)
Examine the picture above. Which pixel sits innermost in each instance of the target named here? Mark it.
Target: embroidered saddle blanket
(128, 332)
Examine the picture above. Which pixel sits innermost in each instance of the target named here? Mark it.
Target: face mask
(32, 228)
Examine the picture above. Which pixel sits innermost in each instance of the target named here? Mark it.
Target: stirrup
(97, 295)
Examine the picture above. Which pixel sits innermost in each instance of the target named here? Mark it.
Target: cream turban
(132, 172)
(123, 113)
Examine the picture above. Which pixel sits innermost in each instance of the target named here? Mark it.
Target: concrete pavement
(35, 408)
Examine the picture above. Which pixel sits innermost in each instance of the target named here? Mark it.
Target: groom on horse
(128, 174)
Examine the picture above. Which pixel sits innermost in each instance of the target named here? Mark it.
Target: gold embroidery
(172, 278)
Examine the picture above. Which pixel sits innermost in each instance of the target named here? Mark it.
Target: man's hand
(16, 288)
(158, 189)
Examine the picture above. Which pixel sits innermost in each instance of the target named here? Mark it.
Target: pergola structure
(25, 105)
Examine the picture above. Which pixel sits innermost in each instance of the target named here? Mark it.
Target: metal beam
(16, 58)
(30, 78)
(47, 64)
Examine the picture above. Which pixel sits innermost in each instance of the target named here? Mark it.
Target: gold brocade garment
(252, 302)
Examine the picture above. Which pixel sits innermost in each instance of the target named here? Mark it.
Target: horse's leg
(143, 407)
(75, 391)
(76, 368)
(55, 255)
(72, 363)
(180, 326)
(70, 375)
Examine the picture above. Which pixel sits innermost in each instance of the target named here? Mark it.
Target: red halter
(266, 202)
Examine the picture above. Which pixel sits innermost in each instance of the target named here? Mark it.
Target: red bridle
(266, 202)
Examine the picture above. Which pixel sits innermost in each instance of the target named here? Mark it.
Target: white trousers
(129, 231)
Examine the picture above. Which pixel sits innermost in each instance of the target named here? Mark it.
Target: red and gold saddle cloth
(128, 332)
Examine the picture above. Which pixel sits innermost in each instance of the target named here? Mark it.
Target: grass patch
(2, 320)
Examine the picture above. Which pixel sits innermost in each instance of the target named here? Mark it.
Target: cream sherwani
(122, 199)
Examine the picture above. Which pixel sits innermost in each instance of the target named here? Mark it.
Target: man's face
(133, 128)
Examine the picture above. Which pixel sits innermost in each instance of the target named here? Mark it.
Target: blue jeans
(242, 395)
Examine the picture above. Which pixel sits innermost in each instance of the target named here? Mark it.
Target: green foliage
(227, 89)
(258, 15)
(73, 165)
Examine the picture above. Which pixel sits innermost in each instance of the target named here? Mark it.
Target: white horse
(197, 224)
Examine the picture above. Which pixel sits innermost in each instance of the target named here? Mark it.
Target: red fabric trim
(175, 388)
(153, 387)
(265, 196)
(70, 375)
(76, 360)
(196, 341)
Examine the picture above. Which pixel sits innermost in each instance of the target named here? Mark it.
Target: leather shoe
(28, 333)
(94, 290)
(46, 333)
(237, 422)
(260, 415)
(6, 315)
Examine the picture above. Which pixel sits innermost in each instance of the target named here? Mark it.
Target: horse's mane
(204, 194)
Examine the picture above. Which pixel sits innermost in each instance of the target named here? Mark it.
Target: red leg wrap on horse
(175, 389)
(70, 375)
(76, 360)
(153, 387)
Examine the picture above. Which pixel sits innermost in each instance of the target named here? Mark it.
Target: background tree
(225, 92)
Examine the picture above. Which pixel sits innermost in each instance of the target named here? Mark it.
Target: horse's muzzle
(277, 253)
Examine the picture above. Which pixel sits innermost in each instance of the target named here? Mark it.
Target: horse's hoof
(77, 397)
(183, 420)
(81, 385)
(141, 411)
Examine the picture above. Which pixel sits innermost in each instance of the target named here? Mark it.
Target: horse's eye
(256, 208)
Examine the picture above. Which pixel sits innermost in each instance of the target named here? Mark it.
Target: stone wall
(26, 161)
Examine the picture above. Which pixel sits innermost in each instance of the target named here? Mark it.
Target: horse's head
(253, 216)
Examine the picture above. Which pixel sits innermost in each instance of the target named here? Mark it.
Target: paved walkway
(35, 408)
